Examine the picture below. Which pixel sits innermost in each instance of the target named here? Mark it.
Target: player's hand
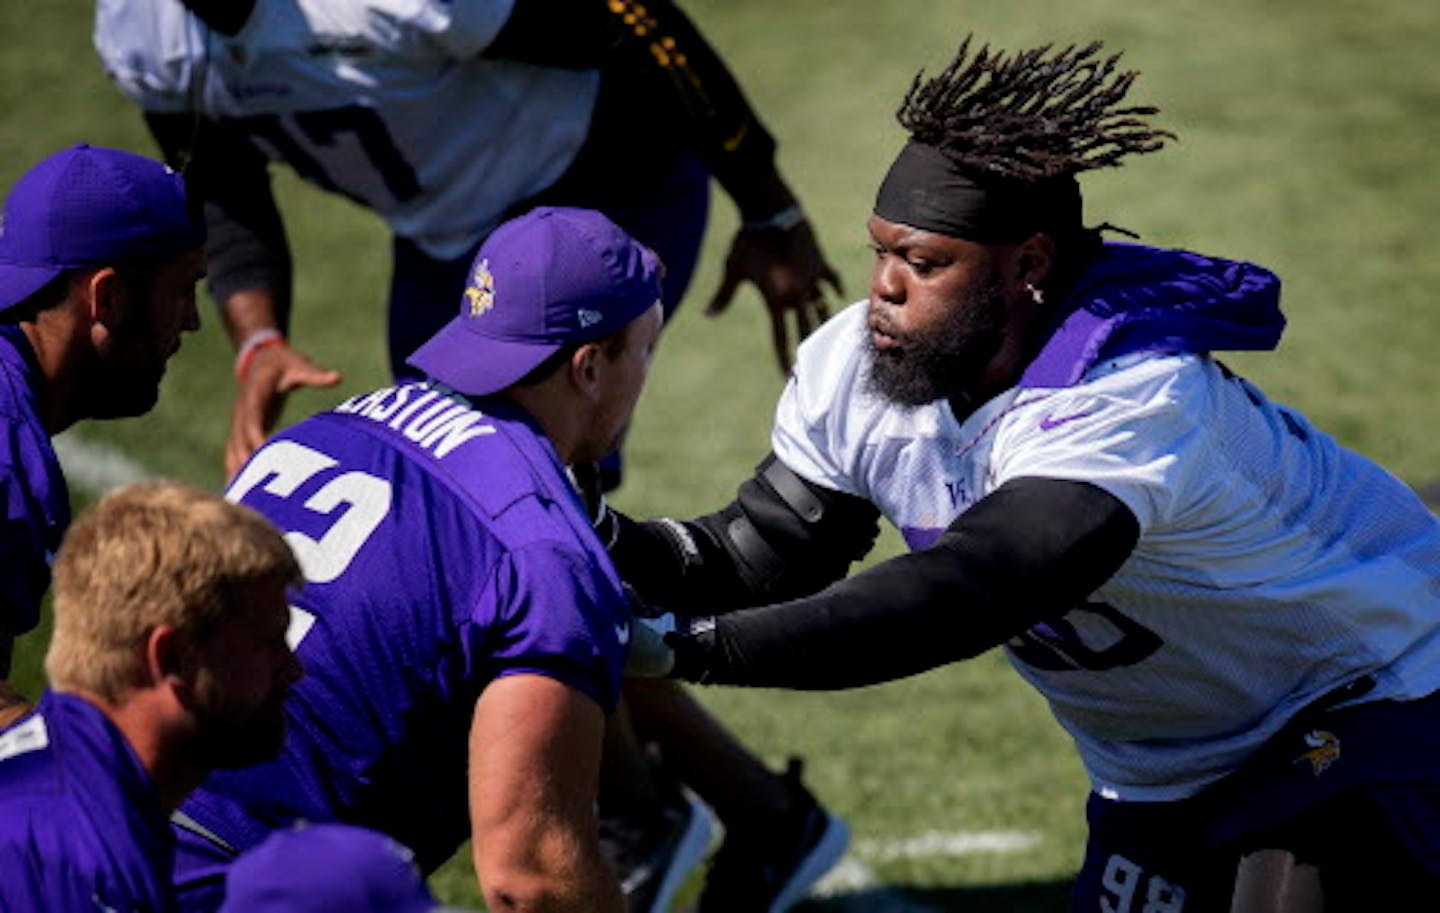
(650, 656)
(273, 372)
(789, 270)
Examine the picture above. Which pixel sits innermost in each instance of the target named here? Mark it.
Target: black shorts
(1354, 791)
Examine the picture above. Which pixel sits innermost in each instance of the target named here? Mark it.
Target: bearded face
(946, 359)
(940, 318)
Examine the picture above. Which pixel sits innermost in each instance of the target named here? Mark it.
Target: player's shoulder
(30, 769)
(1138, 385)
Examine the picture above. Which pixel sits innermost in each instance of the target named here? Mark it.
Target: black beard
(948, 364)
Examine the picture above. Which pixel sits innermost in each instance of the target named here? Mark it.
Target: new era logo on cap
(553, 277)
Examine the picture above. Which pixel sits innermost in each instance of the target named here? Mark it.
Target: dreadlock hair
(1031, 116)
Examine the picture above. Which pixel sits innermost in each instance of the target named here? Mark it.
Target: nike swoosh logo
(622, 634)
(1050, 422)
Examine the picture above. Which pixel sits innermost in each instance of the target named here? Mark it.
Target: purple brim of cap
(475, 364)
(18, 282)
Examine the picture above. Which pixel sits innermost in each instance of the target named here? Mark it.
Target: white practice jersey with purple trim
(1273, 565)
(384, 101)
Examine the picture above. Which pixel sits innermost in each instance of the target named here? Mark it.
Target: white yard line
(94, 468)
(940, 843)
(853, 886)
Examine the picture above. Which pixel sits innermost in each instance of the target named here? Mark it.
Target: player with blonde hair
(168, 659)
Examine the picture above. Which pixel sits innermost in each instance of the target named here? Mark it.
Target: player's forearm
(248, 312)
(246, 249)
(249, 270)
(1030, 551)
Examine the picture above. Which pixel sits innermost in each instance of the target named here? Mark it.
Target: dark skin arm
(249, 263)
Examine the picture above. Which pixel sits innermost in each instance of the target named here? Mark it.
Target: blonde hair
(157, 553)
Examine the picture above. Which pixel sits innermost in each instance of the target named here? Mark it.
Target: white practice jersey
(385, 101)
(1273, 565)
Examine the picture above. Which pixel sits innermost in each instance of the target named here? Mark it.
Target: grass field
(1307, 143)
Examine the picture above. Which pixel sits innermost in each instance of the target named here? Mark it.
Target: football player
(462, 628)
(1235, 617)
(99, 256)
(168, 659)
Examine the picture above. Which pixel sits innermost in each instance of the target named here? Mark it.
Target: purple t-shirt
(443, 547)
(81, 824)
(32, 490)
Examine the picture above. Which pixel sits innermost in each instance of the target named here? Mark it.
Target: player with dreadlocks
(1234, 617)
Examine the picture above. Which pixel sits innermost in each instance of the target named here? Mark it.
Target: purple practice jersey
(82, 829)
(443, 547)
(36, 501)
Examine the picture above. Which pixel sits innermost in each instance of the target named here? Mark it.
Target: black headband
(925, 189)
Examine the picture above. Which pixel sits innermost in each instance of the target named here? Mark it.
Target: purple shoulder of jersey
(36, 499)
(81, 824)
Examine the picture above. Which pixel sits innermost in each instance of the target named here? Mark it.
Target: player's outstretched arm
(783, 536)
(1032, 550)
(534, 774)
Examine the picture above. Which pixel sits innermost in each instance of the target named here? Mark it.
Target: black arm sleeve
(781, 537)
(660, 73)
(245, 246)
(1033, 549)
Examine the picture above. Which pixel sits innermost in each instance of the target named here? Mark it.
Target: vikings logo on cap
(481, 290)
(1322, 750)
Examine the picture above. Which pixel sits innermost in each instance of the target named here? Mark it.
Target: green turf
(1307, 134)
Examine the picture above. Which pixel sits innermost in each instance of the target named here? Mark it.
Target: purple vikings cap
(89, 206)
(552, 277)
(323, 868)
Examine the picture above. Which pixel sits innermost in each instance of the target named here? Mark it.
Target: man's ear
(103, 294)
(1034, 260)
(585, 369)
(164, 661)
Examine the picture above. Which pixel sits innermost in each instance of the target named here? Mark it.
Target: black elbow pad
(785, 536)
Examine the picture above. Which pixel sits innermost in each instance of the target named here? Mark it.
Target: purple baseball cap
(90, 206)
(321, 868)
(550, 278)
